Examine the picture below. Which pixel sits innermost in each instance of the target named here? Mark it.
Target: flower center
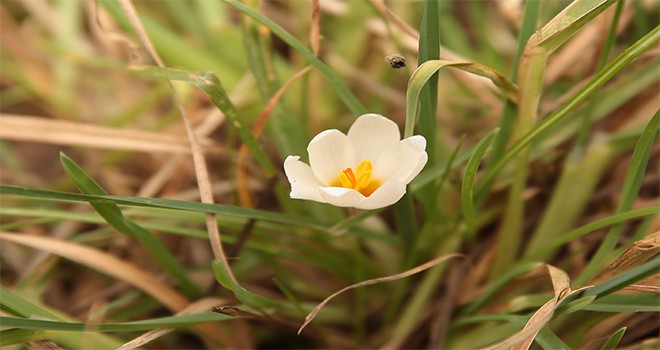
(360, 179)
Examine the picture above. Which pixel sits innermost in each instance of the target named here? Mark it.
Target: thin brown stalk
(201, 170)
(315, 27)
(242, 179)
(196, 307)
(398, 276)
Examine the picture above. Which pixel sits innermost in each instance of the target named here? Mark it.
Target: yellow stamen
(360, 180)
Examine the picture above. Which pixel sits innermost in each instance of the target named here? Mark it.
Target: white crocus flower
(367, 169)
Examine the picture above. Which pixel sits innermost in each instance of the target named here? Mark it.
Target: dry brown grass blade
(198, 306)
(104, 263)
(380, 6)
(637, 254)
(524, 338)
(121, 270)
(242, 179)
(61, 132)
(398, 276)
(315, 27)
(201, 170)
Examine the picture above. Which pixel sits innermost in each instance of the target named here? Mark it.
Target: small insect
(396, 61)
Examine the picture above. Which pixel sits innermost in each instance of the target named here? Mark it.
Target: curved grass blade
(340, 88)
(113, 216)
(413, 271)
(426, 70)
(467, 188)
(211, 85)
(249, 298)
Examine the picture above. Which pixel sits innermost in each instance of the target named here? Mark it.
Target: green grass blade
(563, 26)
(509, 111)
(562, 112)
(287, 128)
(627, 278)
(426, 71)
(626, 303)
(449, 165)
(165, 204)
(144, 325)
(20, 336)
(211, 85)
(497, 285)
(113, 216)
(613, 341)
(14, 304)
(429, 49)
(631, 186)
(467, 188)
(572, 193)
(340, 88)
(549, 340)
(249, 298)
(583, 133)
(406, 224)
(177, 50)
(581, 231)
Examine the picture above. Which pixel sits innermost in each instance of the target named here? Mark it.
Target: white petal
(403, 161)
(304, 185)
(329, 153)
(341, 197)
(387, 194)
(371, 134)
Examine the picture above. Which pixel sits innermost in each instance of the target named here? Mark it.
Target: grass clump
(144, 202)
